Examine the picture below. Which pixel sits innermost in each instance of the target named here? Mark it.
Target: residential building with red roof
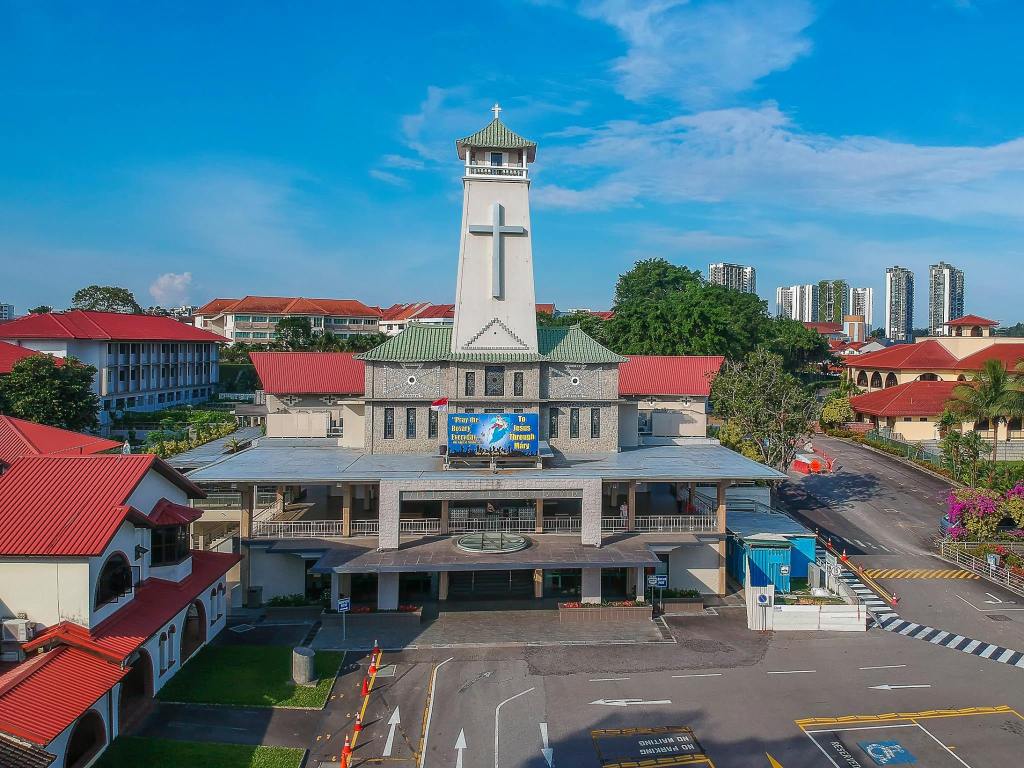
(254, 319)
(94, 554)
(11, 355)
(143, 362)
(670, 394)
(397, 317)
(26, 438)
(828, 330)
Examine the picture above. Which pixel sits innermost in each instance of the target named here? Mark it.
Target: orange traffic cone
(376, 648)
(844, 558)
(365, 690)
(359, 723)
(346, 751)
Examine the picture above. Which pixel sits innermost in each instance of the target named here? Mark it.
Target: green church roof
(496, 135)
(420, 343)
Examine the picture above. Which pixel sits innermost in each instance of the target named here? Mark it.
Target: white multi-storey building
(945, 297)
(6, 311)
(862, 303)
(797, 302)
(254, 319)
(899, 304)
(739, 277)
(144, 362)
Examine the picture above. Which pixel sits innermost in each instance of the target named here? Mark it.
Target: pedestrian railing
(514, 525)
(420, 526)
(954, 552)
(365, 527)
(697, 523)
(296, 529)
(562, 524)
(613, 525)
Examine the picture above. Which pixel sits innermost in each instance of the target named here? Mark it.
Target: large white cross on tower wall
(496, 229)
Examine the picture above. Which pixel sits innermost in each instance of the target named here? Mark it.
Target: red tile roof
(668, 375)
(156, 602)
(168, 513)
(289, 305)
(825, 329)
(11, 354)
(421, 310)
(26, 438)
(106, 326)
(923, 356)
(603, 314)
(71, 506)
(46, 694)
(546, 309)
(967, 320)
(915, 398)
(1009, 354)
(298, 373)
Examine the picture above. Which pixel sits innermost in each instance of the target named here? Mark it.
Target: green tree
(800, 347)
(767, 405)
(592, 325)
(877, 333)
(1012, 330)
(652, 279)
(362, 342)
(58, 393)
(106, 298)
(992, 395)
(295, 334)
(42, 309)
(837, 410)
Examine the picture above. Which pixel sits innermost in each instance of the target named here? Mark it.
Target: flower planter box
(683, 605)
(602, 613)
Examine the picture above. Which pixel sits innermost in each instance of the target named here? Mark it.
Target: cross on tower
(496, 229)
(496, 109)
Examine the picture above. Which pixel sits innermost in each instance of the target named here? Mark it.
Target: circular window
(411, 379)
(575, 381)
(491, 541)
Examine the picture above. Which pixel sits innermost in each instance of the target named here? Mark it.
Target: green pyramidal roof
(496, 135)
(420, 343)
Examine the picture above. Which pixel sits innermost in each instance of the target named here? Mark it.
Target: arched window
(975, 330)
(876, 380)
(928, 377)
(982, 425)
(214, 613)
(862, 379)
(88, 737)
(172, 633)
(961, 377)
(163, 651)
(115, 579)
(1016, 424)
(222, 594)
(890, 380)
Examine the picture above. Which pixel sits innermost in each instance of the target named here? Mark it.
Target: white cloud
(171, 289)
(758, 156)
(388, 178)
(699, 53)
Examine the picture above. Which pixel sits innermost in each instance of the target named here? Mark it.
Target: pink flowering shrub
(978, 510)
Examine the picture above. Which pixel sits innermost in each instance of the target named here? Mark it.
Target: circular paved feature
(491, 542)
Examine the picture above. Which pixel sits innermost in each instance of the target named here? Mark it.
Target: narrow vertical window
(470, 383)
(410, 423)
(517, 384)
(552, 422)
(431, 424)
(389, 423)
(494, 381)
(595, 422)
(574, 422)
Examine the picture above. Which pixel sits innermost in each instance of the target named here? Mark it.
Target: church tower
(495, 305)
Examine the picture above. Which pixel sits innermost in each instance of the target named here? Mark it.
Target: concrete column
(279, 499)
(641, 584)
(613, 495)
(248, 493)
(346, 509)
(630, 580)
(538, 524)
(335, 589)
(691, 492)
(631, 507)
(590, 528)
(538, 583)
(443, 530)
(590, 589)
(721, 568)
(721, 506)
(442, 584)
(389, 506)
(387, 591)
(345, 584)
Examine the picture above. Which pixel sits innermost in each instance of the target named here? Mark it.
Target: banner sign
(493, 434)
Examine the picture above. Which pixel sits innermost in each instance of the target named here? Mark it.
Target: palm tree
(991, 395)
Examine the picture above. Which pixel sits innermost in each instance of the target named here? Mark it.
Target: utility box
(254, 597)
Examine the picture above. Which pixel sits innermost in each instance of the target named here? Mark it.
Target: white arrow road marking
(996, 601)
(549, 754)
(497, 709)
(894, 687)
(629, 702)
(392, 723)
(460, 745)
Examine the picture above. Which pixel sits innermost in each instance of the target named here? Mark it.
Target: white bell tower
(495, 304)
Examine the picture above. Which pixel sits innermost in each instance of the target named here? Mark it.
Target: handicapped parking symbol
(887, 752)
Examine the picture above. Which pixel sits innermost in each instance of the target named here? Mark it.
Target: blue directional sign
(887, 752)
(344, 604)
(658, 581)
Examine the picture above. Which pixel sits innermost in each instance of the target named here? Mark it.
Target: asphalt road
(885, 514)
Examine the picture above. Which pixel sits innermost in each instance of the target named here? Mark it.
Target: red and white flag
(439, 405)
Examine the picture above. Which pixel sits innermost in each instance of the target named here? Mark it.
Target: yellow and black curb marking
(889, 717)
(920, 573)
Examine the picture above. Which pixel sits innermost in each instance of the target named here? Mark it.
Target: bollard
(303, 670)
(895, 600)
(376, 649)
(365, 690)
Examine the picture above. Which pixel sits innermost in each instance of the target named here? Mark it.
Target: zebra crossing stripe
(969, 648)
(1005, 656)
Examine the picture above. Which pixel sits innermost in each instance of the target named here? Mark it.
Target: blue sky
(191, 150)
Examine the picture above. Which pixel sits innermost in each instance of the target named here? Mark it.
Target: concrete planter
(683, 605)
(599, 614)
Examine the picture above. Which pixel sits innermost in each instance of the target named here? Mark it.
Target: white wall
(60, 742)
(47, 591)
(279, 574)
(629, 436)
(125, 540)
(154, 487)
(694, 566)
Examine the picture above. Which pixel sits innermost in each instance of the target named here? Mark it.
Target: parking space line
(607, 679)
(885, 666)
(705, 674)
(793, 672)
(429, 712)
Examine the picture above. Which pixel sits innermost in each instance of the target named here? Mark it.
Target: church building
(486, 459)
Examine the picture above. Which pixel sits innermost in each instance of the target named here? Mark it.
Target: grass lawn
(129, 752)
(250, 675)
